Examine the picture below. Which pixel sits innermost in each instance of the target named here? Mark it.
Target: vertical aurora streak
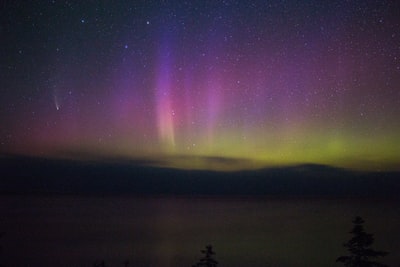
(164, 104)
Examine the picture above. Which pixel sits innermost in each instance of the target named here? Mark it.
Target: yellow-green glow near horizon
(341, 151)
(230, 151)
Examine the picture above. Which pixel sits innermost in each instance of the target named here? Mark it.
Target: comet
(57, 105)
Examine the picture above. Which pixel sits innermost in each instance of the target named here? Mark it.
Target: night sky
(202, 84)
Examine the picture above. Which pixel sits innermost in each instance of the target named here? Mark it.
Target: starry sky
(221, 85)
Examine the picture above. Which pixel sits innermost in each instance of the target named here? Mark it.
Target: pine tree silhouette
(208, 259)
(101, 264)
(361, 255)
(1, 235)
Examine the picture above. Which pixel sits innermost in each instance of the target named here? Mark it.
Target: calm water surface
(171, 231)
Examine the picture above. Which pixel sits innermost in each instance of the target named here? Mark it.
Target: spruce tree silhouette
(361, 255)
(1, 236)
(208, 259)
(101, 264)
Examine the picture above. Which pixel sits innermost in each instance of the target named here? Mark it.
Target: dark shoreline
(65, 177)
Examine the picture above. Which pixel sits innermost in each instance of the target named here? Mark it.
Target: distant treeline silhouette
(26, 175)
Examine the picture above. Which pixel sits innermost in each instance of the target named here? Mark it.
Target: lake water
(171, 231)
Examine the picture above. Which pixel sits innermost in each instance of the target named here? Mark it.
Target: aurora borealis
(203, 84)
